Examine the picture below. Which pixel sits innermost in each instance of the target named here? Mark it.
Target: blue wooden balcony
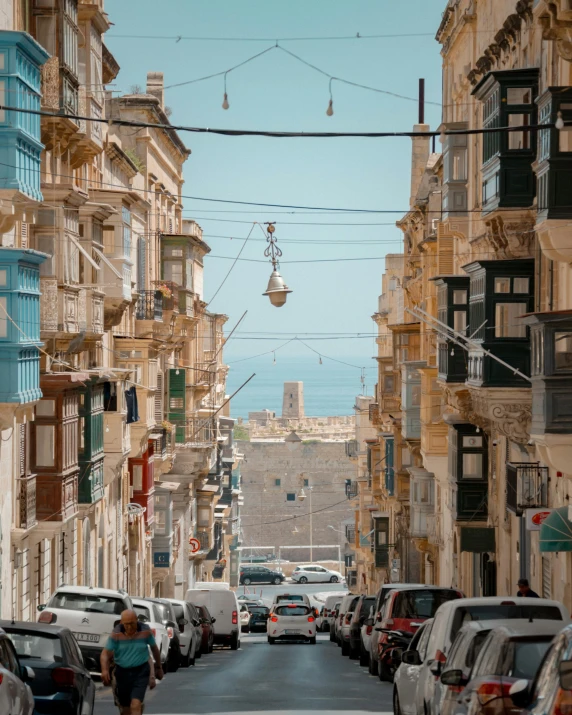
(20, 147)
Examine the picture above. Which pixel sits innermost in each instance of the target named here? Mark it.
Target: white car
(292, 621)
(15, 695)
(407, 674)
(148, 613)
(244, 618)
(89, 613)
(313, 573)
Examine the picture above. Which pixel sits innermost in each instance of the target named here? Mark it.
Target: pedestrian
(129, 645)
(525, 590)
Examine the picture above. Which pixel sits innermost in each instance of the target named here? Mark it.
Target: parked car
(405, 610)
(380, 597)
(258, 617)
(190, 631)
(345, 604)
(290, 598)
(244, 618)
(152, 615)
(447, 623)
(208, 629)
(460, 661)
(15, 694)
(334, 620)
(345, 625)
(550, 692)
(260, 574)
(62, 683)
(169, 620)
(89, 613)
(320, 619)
(407, 674)
(511, 652)
(361, 611)
(223, 606)
(292, 621)
(366, 632)
(313, 573)
(329, 605)
(249, 598)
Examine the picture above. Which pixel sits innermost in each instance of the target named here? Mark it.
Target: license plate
(86, 637)
(291, 633)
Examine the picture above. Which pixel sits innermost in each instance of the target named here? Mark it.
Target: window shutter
(23, 235)
(177, 401)
(159, 398)
(444, 252)
(141, 263)
(22, 450)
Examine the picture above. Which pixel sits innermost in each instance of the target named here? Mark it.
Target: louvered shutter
(444, 252)
(141, 263)
(159, 398)
(22, 450)
(177, 401)
(23, 235)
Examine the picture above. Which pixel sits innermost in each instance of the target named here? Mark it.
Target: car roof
(91, 590)
(33, 626)
(480, 626)
(524, 627)
(499, 601)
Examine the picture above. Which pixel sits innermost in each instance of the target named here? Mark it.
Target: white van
(222, 605)
(212, 585)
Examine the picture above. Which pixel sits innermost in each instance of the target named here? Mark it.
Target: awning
(556, 531)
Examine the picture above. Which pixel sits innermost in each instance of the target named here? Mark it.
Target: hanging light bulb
(177, 371)
(320, 360)
(274, 360)
(330, 109)
(452, 352)
(478, 430)
(107, 428)
(225, 104)
(559, 121)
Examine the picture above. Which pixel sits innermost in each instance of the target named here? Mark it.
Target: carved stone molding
(508, 410)
(557, 26)
(508, 239)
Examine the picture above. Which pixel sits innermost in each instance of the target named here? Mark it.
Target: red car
(207, 622)
(405, 610)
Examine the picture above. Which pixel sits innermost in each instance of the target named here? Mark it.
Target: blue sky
(275, 92)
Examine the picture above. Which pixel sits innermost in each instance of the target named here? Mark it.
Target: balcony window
(389, 384)
(455, 170)
(507, 98)
(137, 471)
(160, 520)
(563, 350)
(468, 467)
(452, 308)
(506, 320)
(45, 445)
(126, 218)
(472, 466)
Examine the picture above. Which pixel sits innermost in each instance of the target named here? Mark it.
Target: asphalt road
(282, 679)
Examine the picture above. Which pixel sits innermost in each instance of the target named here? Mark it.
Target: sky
(278, 92)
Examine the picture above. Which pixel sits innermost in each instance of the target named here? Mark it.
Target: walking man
(129, 645)
(525, 590)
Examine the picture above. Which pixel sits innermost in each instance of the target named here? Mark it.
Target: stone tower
(293, 400)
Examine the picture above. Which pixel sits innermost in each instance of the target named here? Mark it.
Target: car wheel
(312, 641)
(199, 652)
(235, 642)
(396, 706)
(173, 661)
(345, 648)
(354, 653)
(80, 708)
(334, 579)
(277, 581)
(303, 579)
(384, 673)
(363, 657)
(271, 641)
(246, 581)
(372, 665)
(332, 639)
(185, 660)
(211, 646)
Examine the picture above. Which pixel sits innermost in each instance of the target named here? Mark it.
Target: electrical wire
(234, 264)
(357, 36)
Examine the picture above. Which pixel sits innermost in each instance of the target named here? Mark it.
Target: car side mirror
(171, 624)
(435, 667)
(184, 622)
(519, 693)
(27, 673)
(142, 619)
(42, 607)
(453, 677)
(90, 663)
(116, 623)
(213, 620)
(565, 672)
(411, 657)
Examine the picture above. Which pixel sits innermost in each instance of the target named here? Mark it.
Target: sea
(330, 388)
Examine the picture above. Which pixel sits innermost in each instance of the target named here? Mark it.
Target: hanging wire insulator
(225, 104)
(320, 360)
(442, 136)
(330, 109)
(452, 352)
(559, 121)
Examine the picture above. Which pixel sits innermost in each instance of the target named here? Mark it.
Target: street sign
(195, 545)
(477, 540)
(535, 517)
(161, 559)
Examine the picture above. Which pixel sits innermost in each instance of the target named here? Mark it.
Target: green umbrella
(556, 531)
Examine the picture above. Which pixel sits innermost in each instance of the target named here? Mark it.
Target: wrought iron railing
(149, 305)
(526, 486)
(351, 489)
(205, 539)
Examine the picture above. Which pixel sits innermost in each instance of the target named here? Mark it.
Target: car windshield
(502, 611)
(259, 609)
(143, 611)
(526, 658)
(88, 602)
(163, 612)
(293, 611)
(286, 597)
(420, 603)
(37, 646)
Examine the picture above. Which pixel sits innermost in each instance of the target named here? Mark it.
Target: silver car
(407, 674)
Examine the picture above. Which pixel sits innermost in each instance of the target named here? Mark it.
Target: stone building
(293, 400)
(274, 475)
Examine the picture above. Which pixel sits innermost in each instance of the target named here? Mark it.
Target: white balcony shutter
(159, 398)
(141, 263)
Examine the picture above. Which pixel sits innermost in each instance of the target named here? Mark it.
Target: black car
(169, 619)
(253, 573)
(258, 617)
(62, 684)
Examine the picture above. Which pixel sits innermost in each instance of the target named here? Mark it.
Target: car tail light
(368, 630)
(170, 632)
(1, 678)
(63, 676)
(311, 619)
(508, 603)
(562, 703)
(349, 617)
(274, 619)
(388, 622)
(47, 617)
(492, 690)
(234, 618)
(440, 657)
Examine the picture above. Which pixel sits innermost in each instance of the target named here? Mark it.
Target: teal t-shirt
(130, 652)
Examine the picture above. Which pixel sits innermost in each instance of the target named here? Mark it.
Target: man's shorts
(130, 684)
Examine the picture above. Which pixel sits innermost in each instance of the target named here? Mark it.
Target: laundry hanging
(132, 407)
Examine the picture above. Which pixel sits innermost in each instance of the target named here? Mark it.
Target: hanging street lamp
(277, 290)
